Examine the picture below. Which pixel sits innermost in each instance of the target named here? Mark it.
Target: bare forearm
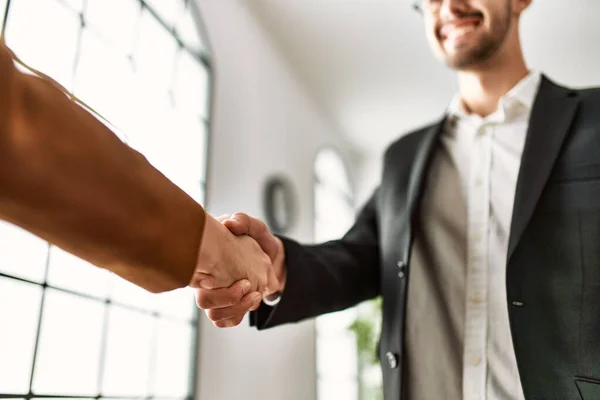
(67, 178)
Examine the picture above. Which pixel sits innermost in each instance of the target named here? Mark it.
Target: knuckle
(204, 301)
(222, 314)
(219, 324)
(214, 315)
(242, 216)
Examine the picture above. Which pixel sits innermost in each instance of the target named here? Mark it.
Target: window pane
(346, 389)
(188, 29)
(75, 5)
(19, 313)
(128, 353)
(69, 351)
(337, 356)
(173, 359)
(193, 189)
(69, 272)
(123, 292)
(191, 85)
(117, 20)
(105, 80)
(45, 39)
(166, 10)
(21, 253)
(2, 11)
(330, 325)
(177, 303)
(154, 55)
(175, 143)
(178, 149)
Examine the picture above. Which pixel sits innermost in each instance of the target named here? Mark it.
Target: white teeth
(459, 31)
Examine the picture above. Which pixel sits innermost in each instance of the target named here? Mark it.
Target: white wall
(263, 123)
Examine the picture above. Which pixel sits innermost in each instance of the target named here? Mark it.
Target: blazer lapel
(551, 118)
(420, 164)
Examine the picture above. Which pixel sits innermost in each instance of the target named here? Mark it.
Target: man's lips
(457, 28)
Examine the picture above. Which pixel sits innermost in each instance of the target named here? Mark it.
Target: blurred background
(222, 96)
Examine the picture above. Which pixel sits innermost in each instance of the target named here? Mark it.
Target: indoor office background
(222, 95)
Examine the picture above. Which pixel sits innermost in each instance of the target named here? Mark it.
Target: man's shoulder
(587, 94)
(591, 95)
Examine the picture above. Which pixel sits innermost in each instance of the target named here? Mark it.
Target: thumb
(202, 281)
(273, 283)
(236, 226)
(223, 218)
(258, 230)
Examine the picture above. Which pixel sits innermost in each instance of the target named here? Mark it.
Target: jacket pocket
(588, 388)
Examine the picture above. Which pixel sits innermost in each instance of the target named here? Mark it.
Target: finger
(223, 217)
(202, 280)
(229, 323)
(272, 282)
(256, 229)
(224, 297)
(236, 227)
(256, 305)
(234, 311)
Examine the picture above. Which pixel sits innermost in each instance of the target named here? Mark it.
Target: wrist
(280, 266)
(209, 253)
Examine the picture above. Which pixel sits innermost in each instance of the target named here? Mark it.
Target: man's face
(466, 33)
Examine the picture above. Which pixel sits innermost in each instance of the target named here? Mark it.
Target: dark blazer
(553, 267)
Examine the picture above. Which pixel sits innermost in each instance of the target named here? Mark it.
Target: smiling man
(483, 237)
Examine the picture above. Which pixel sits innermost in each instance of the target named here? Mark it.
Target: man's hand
(227, 307)
(242, 224)
(225, 258)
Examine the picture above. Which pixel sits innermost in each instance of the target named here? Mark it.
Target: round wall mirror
(279, 204)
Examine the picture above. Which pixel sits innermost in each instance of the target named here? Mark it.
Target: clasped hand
(248, 266)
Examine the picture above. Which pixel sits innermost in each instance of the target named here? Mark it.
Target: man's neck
(481, 88)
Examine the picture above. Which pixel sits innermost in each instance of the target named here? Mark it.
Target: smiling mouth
(458, 30)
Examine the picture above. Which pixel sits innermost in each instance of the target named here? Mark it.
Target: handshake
(240, 262)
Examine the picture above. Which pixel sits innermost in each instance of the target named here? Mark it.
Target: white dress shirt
(459, 344)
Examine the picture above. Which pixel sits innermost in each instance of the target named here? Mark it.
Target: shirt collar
(517, 101)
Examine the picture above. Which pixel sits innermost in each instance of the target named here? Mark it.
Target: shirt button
(392, 360)
(475, 299)
(476, 360)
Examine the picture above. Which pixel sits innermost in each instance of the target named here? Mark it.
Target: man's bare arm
(67, 178)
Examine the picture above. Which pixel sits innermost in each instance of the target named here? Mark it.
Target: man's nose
(449, 9)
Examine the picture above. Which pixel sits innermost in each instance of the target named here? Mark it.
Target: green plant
(366, 330)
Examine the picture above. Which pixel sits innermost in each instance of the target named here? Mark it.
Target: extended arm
(67, 178)
(312, 279)
(327, 277)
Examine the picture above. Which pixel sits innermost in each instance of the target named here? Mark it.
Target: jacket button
(402, 268)
(391, 358)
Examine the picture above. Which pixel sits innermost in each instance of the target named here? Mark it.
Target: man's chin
(462, 60)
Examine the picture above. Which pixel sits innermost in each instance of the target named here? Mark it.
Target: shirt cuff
(272, 302)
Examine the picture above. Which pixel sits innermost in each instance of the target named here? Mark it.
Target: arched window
(337, 357)
(71, 330)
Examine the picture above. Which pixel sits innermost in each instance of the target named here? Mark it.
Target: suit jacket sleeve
(328, 277)
(67, 178)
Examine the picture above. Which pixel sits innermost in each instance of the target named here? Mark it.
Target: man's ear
(520, 5)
